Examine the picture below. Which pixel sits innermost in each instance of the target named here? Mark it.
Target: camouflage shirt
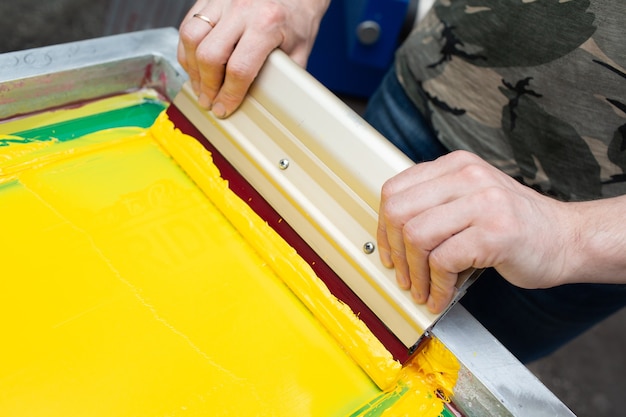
(537, 88)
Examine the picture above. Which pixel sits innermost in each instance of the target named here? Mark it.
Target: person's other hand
(440, 218)
(222, 57)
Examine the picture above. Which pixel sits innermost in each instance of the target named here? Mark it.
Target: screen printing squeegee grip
(321, 167)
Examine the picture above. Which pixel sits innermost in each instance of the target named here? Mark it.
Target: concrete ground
(589, 374)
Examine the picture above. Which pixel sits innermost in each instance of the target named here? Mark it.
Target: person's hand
(223, 56)
(440, 218)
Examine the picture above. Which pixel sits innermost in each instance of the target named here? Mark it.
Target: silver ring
(206, 19)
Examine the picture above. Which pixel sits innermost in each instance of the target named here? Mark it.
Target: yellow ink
(428, 379)
(337, 317)
(130, 289)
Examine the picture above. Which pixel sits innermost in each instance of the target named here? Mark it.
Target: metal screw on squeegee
(369, 248)
(283, 164)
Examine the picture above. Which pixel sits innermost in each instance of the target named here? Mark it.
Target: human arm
(439, 218)
(223, 61)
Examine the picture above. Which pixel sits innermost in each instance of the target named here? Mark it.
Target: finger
(242, 68)
(398, 208)
(428, 227)
(447, 261)
(212, 56)
(192, 32)
(384, 250)
(441, 243)
(392, 217)
(417, 265)
(392, 214)
(434, 272)
(442, 290)
(182, 56)
(445, 165)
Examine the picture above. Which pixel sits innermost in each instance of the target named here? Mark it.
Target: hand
(440, 218)
(222, 59)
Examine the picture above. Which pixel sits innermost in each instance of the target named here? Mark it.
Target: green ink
(140, 115)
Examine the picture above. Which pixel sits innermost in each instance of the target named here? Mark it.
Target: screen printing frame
(491, 380)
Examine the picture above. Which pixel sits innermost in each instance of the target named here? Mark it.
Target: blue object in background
(357, 41)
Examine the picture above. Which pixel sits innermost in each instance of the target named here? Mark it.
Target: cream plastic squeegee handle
(321, 166)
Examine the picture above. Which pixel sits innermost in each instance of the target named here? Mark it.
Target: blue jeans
(529, 323)
(394, 115)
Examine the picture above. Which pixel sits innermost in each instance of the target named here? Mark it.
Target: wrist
(596, 242)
